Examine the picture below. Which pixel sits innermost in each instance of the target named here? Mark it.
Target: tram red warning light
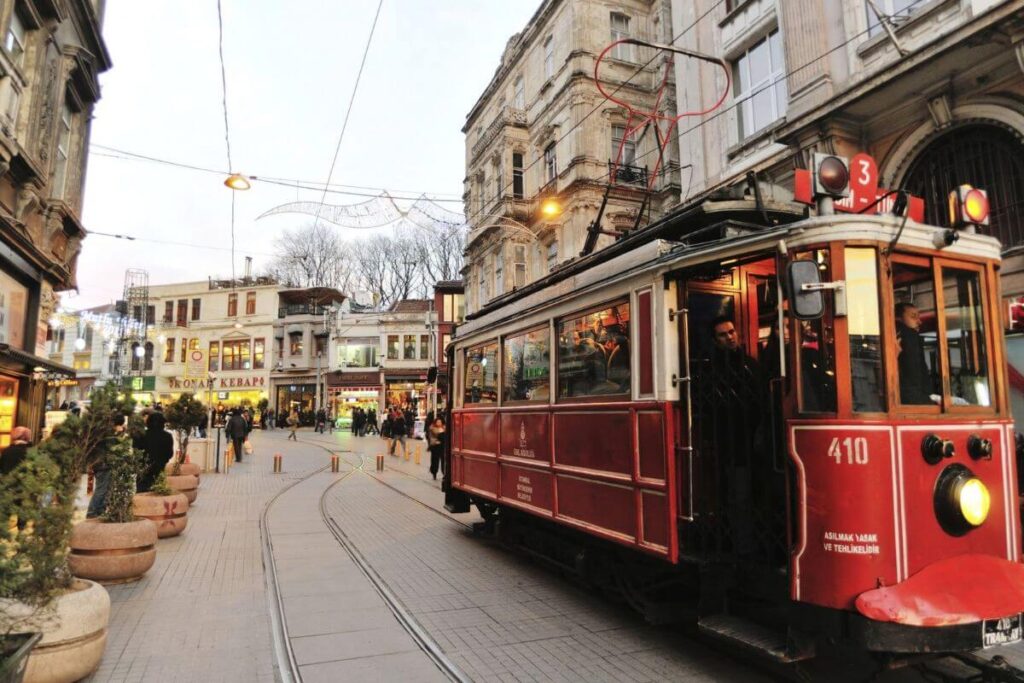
(968, 206)
(831, 175)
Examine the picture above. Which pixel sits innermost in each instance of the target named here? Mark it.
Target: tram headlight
(962, 500)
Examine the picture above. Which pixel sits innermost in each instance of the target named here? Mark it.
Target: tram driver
(915, 377)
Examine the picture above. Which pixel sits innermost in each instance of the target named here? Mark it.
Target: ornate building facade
(542, 130)
(51, 56)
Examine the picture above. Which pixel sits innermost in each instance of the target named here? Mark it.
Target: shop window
(760, 90)
(168, 311)
(295, 343)
(182, 320)
(816, 352)
(196, 308)
(409, 347)
(169, 349)
(866, 376)
(258, 346)
(518, 187)
(481, 374)
(965, 337)
(424, 347)
(236, 355)
(392, 347)
(13, 312)
(250, 303)
(214, 356)
(527, 367)
(232, 305)
(593, 353)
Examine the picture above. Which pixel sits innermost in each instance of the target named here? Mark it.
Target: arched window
(148, 365)
(135, 356)
(981, 155)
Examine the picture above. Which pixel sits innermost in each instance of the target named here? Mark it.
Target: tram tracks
(287, 663)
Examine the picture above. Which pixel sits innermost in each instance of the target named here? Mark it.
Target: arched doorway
(982, 155)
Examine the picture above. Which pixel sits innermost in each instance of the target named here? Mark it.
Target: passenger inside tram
(916, 379)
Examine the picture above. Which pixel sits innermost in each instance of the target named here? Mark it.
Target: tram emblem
(524, 450)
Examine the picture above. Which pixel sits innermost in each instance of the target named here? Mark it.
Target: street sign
(195, 364)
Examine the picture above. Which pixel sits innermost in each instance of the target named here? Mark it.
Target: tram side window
(527, 367)
(593, 353)
(481, 374)
(817, 351)
(965, 337)
(916, 334)
(866, 376)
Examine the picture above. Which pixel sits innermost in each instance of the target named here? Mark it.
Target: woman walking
(293, 425)
(158, 446)
(435, 442)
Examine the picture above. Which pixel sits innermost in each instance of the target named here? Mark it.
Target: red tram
(843, 474)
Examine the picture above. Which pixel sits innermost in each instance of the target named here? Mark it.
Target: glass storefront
(8, 408)
(297, 397)
(344, 400)
(412, 394)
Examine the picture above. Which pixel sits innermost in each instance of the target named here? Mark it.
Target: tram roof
(713, 243)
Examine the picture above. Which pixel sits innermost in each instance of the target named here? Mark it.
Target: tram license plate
(1001, 631)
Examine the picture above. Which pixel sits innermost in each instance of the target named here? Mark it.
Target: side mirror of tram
(805, 290)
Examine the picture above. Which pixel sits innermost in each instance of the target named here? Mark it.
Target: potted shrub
(184, 415)
(37, 589)
(165, 507)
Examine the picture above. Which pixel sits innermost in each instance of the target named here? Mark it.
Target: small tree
(184, 415)
(125, 464)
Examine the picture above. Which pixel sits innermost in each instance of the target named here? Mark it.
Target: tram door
(727, 461)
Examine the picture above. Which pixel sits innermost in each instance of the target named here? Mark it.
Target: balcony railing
(506, 117)
(629, 175)
(301, 309)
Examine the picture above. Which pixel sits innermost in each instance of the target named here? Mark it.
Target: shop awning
(10, 353)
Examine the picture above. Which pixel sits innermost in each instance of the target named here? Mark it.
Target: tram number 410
(852, 451)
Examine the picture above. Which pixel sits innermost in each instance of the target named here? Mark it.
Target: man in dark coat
(236, 430)
(158, 446)
(915, 377)
(398, 432)
(12, 456)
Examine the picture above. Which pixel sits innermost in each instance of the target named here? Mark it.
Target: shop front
(347, 391)
(143, 390)
(407, 390)
(296, 394)
(223, 393)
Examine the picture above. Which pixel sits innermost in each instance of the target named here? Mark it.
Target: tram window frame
(884, 338)
(622, 396)
(466, 357)
(925, 263)
(504, 380)
(826, 321)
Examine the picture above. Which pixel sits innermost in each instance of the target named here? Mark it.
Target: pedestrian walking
(158, 445)
(321, 421)
(371, 422)
(293, 425)
(271, 416)
(435, 443)
(236, 431)
(398, 431)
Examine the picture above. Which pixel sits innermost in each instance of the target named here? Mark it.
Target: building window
(518, 190)
(628, 146)
(358, 352)
(499, 273)
(453, 308)
(549, 57)
(60, 167)
(295, 343)
(320, 345)
(519, 94)
(392, 347)
(280, 348)
(620, 31)
(550, 163)
(196, 308)
(409, 347)
(482, 284)
(236, 355)
(520, 266)
(446, 339)
(552, 256)
(150, 315)
(135, 356)
(214, 356)
(169, 350)
(761, 85)
(182, 312)
(82, 364)
(184, 348)
(897, 10)
(148, 350)
(258, 348)
(15, 40)
(232, 305)
(168, 311)
(499, 175)
(424, 347)
(250, 303)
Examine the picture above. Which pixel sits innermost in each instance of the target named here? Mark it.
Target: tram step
(750, 636)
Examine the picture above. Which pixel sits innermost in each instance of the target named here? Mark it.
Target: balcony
(506, 117)
(302, 309)
(634, 176)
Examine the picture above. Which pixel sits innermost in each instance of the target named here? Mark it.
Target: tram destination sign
(864, 191)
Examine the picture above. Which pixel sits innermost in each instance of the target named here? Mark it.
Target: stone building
(52, 53)
(541, 130)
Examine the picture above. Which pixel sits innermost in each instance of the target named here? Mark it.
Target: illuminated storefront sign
(222, 383)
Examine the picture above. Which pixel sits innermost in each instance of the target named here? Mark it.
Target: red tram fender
(958, 590)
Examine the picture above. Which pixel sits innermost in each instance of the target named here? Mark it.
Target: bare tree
(312, 256)
(440, 251)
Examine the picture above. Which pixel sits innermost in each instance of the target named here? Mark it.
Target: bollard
(380, 463)
(277, 463)
(405, 452)
(334, 463)
(419, 448)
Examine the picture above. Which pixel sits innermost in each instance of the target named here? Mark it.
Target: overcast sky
(290, 71)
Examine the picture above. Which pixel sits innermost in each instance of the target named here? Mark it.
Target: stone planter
(14, 651)
(74, 633)
(186, 468)
(169, 513)
(112, 553)
(185, 483)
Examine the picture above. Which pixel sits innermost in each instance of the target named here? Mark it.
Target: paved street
(340, 544)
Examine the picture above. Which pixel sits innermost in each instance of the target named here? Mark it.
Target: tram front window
(965, 337)
(866, 377)
(916, 336)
